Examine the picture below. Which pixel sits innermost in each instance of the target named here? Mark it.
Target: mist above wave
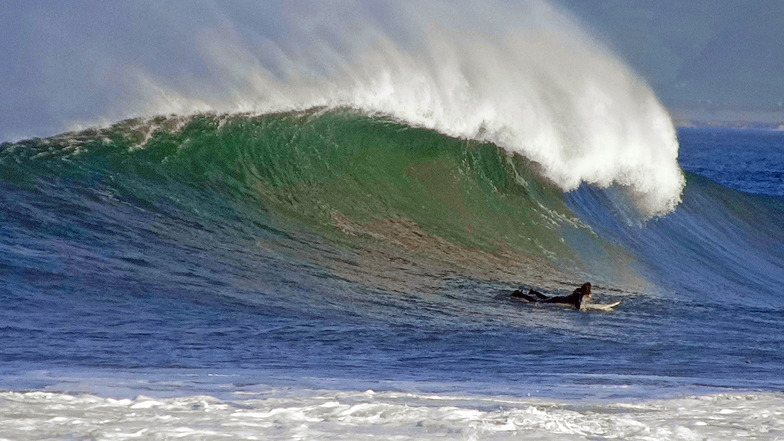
(524, 76)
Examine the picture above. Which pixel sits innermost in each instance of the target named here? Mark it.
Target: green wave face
(380, 189)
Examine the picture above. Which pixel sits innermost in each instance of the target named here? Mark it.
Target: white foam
(524, 76)
(314, 415)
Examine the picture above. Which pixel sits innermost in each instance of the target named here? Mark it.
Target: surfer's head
(586, 289)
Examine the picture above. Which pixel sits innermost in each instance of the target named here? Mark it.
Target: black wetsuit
(574, 299)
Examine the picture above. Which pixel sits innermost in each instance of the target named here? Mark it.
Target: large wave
(524, 76)
(413, 205)
(334, 229)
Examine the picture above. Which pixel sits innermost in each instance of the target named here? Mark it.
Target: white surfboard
(591, 306)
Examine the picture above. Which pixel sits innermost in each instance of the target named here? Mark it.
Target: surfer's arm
(519, 294)
(537, 294)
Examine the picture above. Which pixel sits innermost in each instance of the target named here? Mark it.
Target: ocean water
(311, 224)
(328, 274)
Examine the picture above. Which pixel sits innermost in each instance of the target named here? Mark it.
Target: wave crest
(525, 77)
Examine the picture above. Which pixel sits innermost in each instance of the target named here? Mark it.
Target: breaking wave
(525, 77)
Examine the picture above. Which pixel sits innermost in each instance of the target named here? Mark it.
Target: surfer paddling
(575, 299)
(580, 298)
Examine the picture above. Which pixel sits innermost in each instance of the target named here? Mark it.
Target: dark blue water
(747, 160)
(91, 292)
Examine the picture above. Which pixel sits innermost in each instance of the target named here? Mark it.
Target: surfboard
(590, 306)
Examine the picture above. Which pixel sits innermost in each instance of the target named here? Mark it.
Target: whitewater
(315, 234)
(276, 414)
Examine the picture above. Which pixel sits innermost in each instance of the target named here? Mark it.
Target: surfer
(574, 299)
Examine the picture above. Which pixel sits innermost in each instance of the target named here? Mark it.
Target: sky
(698, 54)
(68, 62)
